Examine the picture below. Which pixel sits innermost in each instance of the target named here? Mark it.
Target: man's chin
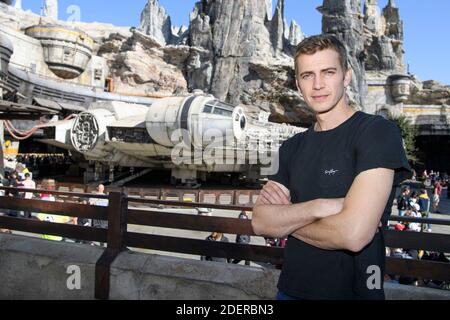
(319, 110)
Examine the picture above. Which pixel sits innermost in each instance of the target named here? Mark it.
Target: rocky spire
(268, 4)
(393, 22)
(372, 17)
(295, 34)
(277, 32)
(156, 23)
(18, 4)
(384, 43)
(393, 38)
(343, 18)
(50, 9)
(229, 35)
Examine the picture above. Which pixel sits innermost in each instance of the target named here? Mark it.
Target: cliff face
(245, 55)
(343, 18)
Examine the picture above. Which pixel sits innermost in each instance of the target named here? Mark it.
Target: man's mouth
(320, 98)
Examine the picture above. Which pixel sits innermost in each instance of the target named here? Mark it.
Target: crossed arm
(330, 224)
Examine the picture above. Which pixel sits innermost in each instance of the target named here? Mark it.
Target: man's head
(217, 235)
(322, 72)
(49, 184)
(27, 176)
(101, 188)
(406, 190)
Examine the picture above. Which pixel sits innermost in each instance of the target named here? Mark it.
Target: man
(333, 185)
(437, 192)
(13, 182)
(50, 185)
(242, 238)
(101, 203)
(216, 236)
(28, 183)
(402, 201)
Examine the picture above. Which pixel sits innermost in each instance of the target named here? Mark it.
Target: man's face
(321, 80)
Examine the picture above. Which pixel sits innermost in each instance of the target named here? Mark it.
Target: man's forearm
(330, 233)
(282, 220)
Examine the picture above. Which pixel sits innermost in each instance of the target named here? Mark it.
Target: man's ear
(298, 86)
(348, 77)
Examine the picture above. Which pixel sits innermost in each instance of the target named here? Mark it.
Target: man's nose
(318, 82)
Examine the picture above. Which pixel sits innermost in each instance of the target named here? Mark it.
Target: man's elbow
(261, 225)
(258, 225)
(357, 242)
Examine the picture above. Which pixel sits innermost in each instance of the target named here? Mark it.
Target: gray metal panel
(47, 103)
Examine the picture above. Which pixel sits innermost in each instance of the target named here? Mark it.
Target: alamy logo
(331, 172)
(74, 280)
(374, 280)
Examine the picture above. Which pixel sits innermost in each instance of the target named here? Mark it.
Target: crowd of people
(20, 180)
(420, 204)
(415, 205)
(48, 165)
(241, 239)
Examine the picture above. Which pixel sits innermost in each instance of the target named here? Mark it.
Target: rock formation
(140, 66)
(343, 18)
(156, 23)
(384, 37)
(429, 93)
(242, 53)
(51, 9)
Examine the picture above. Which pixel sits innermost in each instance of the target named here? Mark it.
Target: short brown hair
(313, 44)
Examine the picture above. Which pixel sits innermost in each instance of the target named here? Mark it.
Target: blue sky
(427, 26)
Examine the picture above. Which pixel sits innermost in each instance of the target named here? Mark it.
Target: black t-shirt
(323, 165)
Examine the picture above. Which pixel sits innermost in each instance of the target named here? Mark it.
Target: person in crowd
(97, 223)
(216, 236)
(242, 239)
(437, 192)
(50, 185)
(414, 212)
(28, 183)
(424, 203)
(402, 201)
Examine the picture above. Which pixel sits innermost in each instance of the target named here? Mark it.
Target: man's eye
(306, 76)
(330, 73)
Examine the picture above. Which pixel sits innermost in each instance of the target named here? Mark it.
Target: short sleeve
(380, 145)
(282, 175)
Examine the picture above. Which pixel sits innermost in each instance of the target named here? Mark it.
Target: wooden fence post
(117, 228)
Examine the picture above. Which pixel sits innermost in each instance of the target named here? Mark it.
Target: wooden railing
(216, 196)
(119, 216)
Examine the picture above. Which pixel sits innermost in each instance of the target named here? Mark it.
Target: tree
(409, 134)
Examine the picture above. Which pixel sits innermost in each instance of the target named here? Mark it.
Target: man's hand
(275, 216)
(274, 193)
